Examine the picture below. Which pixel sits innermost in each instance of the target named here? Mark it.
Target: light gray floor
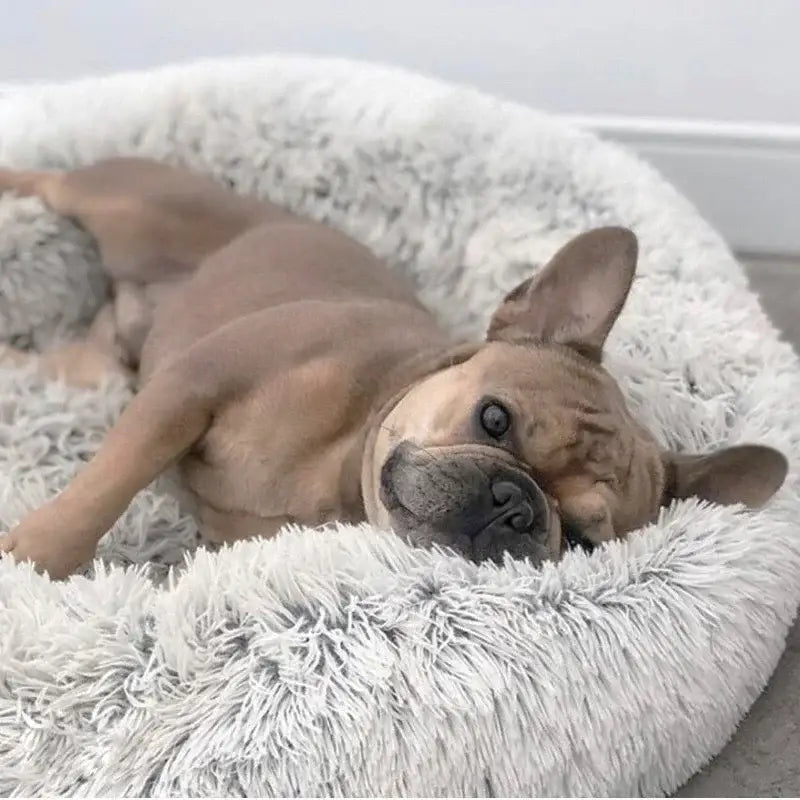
(763, 758)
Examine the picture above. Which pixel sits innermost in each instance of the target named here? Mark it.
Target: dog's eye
(495, 419)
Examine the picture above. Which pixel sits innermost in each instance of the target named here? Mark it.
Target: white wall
(697, 61)
(709, 59)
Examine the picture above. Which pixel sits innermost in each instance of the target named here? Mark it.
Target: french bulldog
(294, 378)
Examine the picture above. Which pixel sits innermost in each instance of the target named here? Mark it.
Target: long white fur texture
(342, 662)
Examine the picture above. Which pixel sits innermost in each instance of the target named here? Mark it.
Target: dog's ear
(748, 474)
(576, 298)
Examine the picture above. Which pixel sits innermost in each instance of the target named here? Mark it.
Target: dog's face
(528, 445)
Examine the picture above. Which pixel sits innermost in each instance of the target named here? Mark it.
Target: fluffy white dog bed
(341, 661)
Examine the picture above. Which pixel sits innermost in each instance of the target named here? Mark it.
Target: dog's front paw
(45, 539)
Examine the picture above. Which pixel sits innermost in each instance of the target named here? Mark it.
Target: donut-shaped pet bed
(344, 662)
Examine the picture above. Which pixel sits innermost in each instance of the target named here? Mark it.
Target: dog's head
(528, 445)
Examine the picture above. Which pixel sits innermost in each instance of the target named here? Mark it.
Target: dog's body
(295, 378)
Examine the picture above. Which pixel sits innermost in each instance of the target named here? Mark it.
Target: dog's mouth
(572, 538)
(471, 500)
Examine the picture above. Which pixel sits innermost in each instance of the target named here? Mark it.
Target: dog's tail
(32, 183)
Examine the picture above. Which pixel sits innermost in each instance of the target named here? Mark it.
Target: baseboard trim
(744, 177)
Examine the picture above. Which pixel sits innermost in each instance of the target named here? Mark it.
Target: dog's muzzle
(468, 497)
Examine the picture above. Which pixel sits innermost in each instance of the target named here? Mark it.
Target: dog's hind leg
(152, 222)
(129, 237)
(84, 363)
(32, 183)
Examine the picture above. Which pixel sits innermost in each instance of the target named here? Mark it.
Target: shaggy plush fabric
(341, 661)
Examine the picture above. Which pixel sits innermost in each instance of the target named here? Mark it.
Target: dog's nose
(518, 506)
(516, 510)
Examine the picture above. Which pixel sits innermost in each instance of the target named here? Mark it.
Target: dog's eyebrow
(584, 406)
